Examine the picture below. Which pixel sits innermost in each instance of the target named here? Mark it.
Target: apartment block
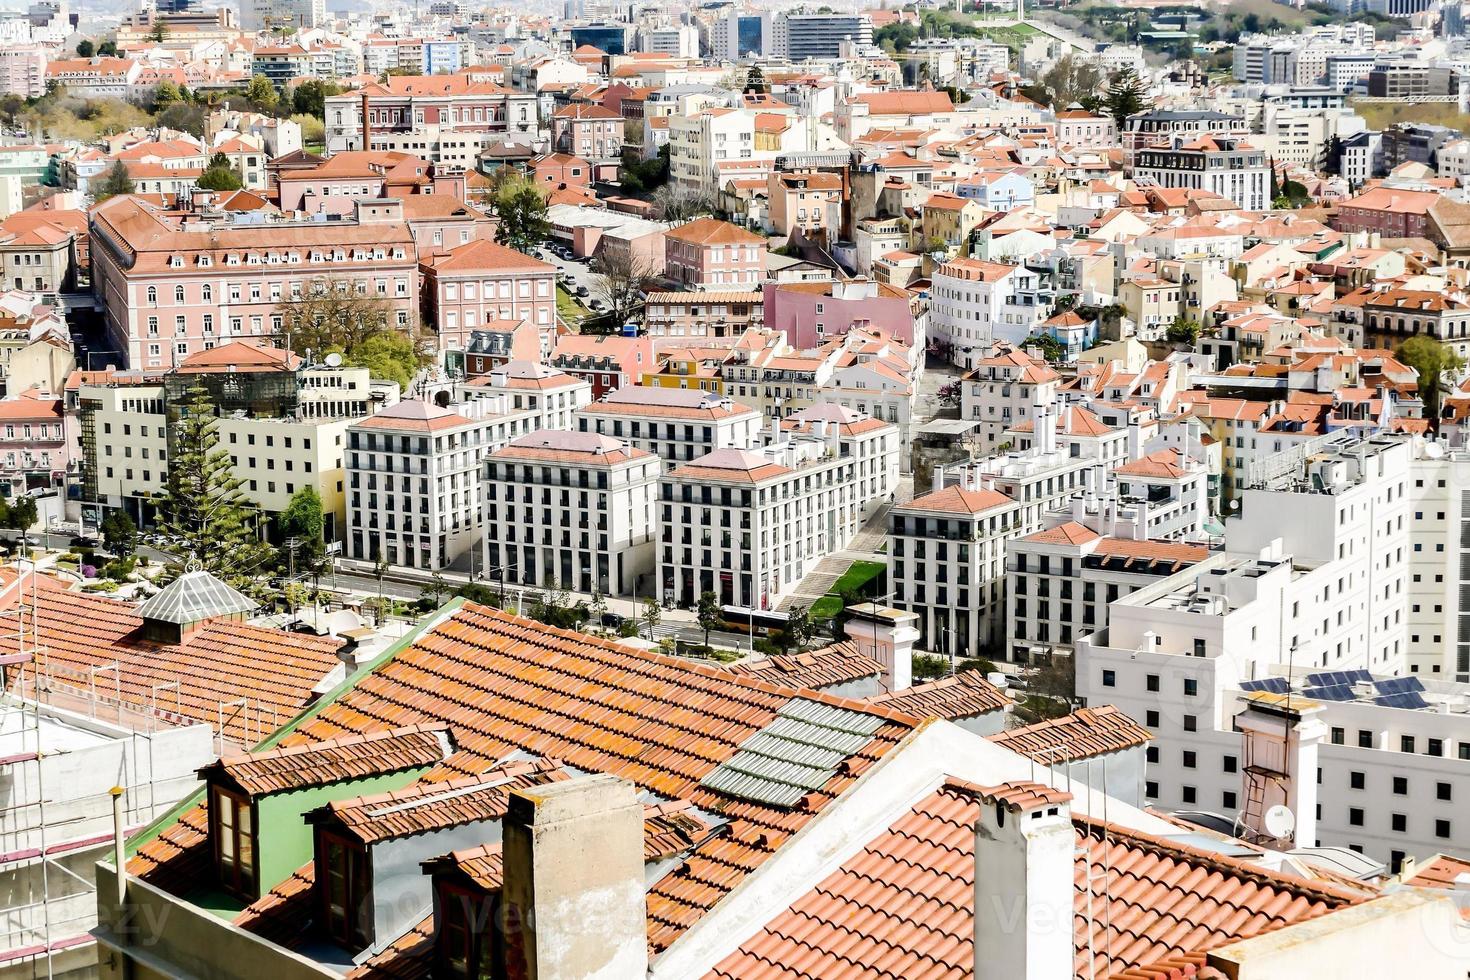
(573, 509)
(678, 425)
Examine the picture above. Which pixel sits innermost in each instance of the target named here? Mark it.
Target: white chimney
(1024, 884)
(573, 890)
(888, 636)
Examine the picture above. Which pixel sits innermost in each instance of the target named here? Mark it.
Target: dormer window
(176, 262)
(346, 893)
(205, 261)
(232, 829)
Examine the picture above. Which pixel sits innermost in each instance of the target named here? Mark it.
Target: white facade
(974, 303)
(572, 510)
(676, 424)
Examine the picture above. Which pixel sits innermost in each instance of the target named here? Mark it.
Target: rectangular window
(233, 833)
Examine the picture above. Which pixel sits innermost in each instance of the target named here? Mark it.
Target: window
(1191, 687)
(1227, 800)
(1365, 739)
(1400, 786)
(1400, 823)
(1441, 828)
(233, 834)
(466, 946)
(347, 893)
(1152, 682)
(1406, 743)
(1109, 678)
(1355, 816)
(1356, 780)
(1151, 718)
(1443, 792)
(1189, 794)
(1338, 736)
(1229, 764)
(1151, 790)
(1189, 758)
(1191, 723)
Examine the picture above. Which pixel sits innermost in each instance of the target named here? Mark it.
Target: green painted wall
(283, 839)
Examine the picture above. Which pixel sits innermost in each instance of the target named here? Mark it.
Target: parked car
(583, 291)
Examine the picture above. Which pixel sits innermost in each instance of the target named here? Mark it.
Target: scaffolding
(46, 824)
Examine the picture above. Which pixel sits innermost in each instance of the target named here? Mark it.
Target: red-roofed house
(591, 132)
(607, 362)
(480, 283)
(707, 253)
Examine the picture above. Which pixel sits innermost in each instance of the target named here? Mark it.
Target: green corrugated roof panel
(797, 752)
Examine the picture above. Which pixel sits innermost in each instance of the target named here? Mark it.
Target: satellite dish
(1280, 822)
(334, 360)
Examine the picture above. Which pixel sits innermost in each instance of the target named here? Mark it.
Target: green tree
(652, 613)
(799, 628)
(159, 34)
(309, 98)
(219, 175)
(755, 81)
(1184, 330)
(262, 93)
(85, 49)
(389, 356)
(1434, 361)
(1125, 96)
(165, 93)
(203, 510)
(115, 181)
(107, 49)
(302, 519)
(1071, 79)
(119, 533)
(521, 207)
(707, 614)
(929, 666)
(183, 117)
(436, 591)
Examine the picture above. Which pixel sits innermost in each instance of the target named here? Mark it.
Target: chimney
(573, 892)
(1024, 883)
(886, 635)
(1281, 739)
(1135, 436)
(366, 130)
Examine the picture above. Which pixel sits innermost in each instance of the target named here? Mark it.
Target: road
(579, 273)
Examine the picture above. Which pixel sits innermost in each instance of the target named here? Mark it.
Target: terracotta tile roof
(1068, 533)
(332, 761)
(218, 664)
(1439, 871)
(1164, 463)
(414, 415)
(504, 684)
(964, 695)
(839, 663)
(1178, 552)
(957, 500)
(426, 806)
(1084, 733)
(712, 231)
(903, 905)
(409, 957)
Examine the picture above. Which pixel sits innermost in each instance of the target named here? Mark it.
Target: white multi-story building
(676, 424)
(1001, 391)
(23, 70)
(946, 564)
(748, 524)
(799, 36)
(413, 474)
(1224, 165)
(974, 303)
(675, 40)
(263, 15)
(1439, 558)
(551, 396)
(570, 509)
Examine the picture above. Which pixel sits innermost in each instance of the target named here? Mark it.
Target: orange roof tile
(957, 500)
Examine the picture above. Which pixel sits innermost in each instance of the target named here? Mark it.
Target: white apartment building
(974, 303)
(946, 564)
(413, 474)
(23, 70)
(570, 509)
(1439, 563)
(1167, 492)
(1224, 165)
(799, 36)
(550, 395)
(748, 524)
(676, 424)
(675, 40)
(1000, 392)
(1061, 581)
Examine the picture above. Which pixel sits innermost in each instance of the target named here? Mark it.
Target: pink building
(589, 131)
(34, 449)
(710, 254)
(172, 285)
(809, 202)
(336, 183)
(23, 71)
(812, 313)
(1389, 211)
(482, 284)
(607, 362)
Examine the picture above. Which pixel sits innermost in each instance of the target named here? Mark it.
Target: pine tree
(204, 512)
(116, 181)
(1125, 96)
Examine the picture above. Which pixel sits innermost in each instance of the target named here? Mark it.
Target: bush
(981, 664)
(929, 667)
(119, 569)
(628, 628)
(104, 585)
(89, 571)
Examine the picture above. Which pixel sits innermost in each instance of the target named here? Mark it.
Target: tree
(929, 666)
(1125, 96)
(119, 533)
(1184, 330)
(309, 98)
(332, 315)
(219, 175)
(165, 93)
(1071, 79)
(678, 203)
(184, 118)
(1051, 348)
(107, 49)
(651, 614)
(388, 356)
(1433, 360)
(262, 93)
(203, 511)
(159, 34)
(115, 181)
(622, 279)
(302, 519)
(436, 591)
(755, 81)
(521, 207)
(799, 627)
(707, 613)
(20, 515)
(85, 49)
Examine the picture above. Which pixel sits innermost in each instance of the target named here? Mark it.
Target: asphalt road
(580, 274)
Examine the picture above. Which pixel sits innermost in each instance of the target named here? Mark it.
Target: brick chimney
(1024, 882)
(573, 892)
(366, 129)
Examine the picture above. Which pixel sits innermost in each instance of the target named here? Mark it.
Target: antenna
(334, 360)
(1279, 822)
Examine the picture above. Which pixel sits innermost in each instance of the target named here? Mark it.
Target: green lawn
(569, 307)
(826, 607)
(859, 575)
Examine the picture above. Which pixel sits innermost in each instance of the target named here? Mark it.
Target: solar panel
(1399, 685)
(1276, 685)
(1332, 692)
(1332, 678)
(1407, 699)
